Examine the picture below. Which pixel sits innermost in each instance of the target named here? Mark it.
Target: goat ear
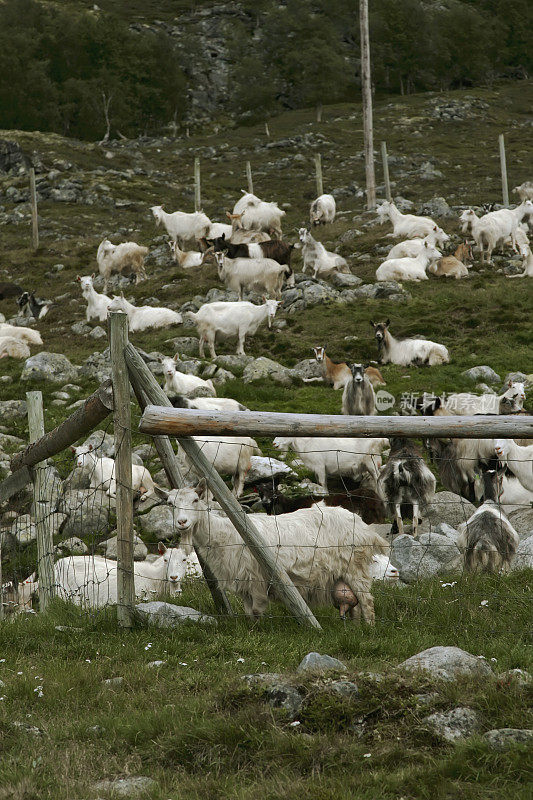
(161, 548)
(372, 324)
(387, 323)
(161, 493)
(176, 357)
(93, 275)
(223, 237)
(73, 448)
(90, 448)
(201, 488)
(509, 384)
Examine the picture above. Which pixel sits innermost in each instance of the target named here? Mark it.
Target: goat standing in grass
(488, 539)
(405, 479)
(358, 396)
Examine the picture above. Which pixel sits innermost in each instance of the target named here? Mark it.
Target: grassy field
(193, 727)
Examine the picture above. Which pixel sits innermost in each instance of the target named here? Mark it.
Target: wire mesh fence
(339, 545)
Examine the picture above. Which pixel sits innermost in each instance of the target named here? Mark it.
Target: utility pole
(366, 86)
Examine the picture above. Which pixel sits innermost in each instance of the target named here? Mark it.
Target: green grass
(194, 727)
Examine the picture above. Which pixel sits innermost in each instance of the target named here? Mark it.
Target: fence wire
(324, 551)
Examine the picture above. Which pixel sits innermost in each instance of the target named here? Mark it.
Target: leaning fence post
(503, 164)
(318, 172)
(118, 339)
(197, 187)
(45, 543)
(385, 160)
(147, 389)
(34, 217)
(249, 177)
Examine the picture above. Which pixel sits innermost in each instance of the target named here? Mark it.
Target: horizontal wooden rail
(93, 411)
(186, 422)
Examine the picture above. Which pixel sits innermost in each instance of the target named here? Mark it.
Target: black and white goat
(358, 396)
(406, 480)
(32, 306)
(362, 501)
(274, 248)
(488, 539)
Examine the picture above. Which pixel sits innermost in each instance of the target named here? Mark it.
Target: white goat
(407, 351)
(97, 304)
(513, 495)
(220, 229)
(186, 259)
(179, 383)
(317, 546)
(511, 401)
(256, 214)
(226, 319)
(409, 269)
(525, 190)
(261, 274)
(141, 318)
(354, 458)
(322, 210)
(410, 248)
(27, 335)
(11, 347)
(102, 473)
(316, 257)
(409, 225)
(519, 460)
(91, 581)
(182, 226)
(229, 455)
(493, 228)
(527, 264)
(208, 403)
(118, 257)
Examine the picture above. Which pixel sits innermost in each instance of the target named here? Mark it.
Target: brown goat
(453, 266)
(336, 374)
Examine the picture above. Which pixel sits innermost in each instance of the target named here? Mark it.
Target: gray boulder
(428, 555)
(315, 662)
(309, 368)
(102, 443)
(88, 512)
(45, 366)
(447, 663)
(519, 377)
(265, 467)
(109, 547)
(344, 688)
(72, 547)
(504, 738)
(482, 373)
(316, 294)
(436, 207)
(97, 366)
(519, 676)
(446, 530)
(263, 367)
(81, 328)
(522, 521)
(345, 280)
(282, 695)
(459, 723)
(158, 523)
(524, 554)
(187, 345)
(233, 362)
(12, 409)
(447, 507)
(23, 529)
(167, 615)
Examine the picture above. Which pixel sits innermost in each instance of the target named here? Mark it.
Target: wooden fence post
(503, 164)
(386, 178)
(319, 112)
(118, 339)
(147, 389)
(267, 129)
(34, 217)
(197, 186)
(366, 81)
(318, 173)
(1, 585)
(249, 177)
(41, 508)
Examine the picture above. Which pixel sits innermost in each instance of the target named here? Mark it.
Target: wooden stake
(197, 187)
(249, 177)
(366, 85)
(147, 390)
(34, 216)
(185, 421)
(386, 178)
(41, 506)
(318, 173)
(319, 112)
(118, 339)
(503, 163)
(267, 129)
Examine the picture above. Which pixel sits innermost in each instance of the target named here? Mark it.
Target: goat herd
(330, 552)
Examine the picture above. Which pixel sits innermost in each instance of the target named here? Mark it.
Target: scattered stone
(166, 615)
(262, 678)
(81, 328)
(428, 555)
(158, 523)
(280, 695)
(447, 663)
(459, 723)
(344, 688)
(130, 787)
(265, 467)
(185, 345)
(263, 367)
(482, 373)
(520, 676)
(524, 554)
(235, 363)
(54, 367)
(315, 662)
(447, 507)
(446, 530)
(114, 681)
(140, 551)
(436, 207)
(72, 546)
(504, 738)
(23, 529)
(516, 377)
(309, 368)
(97, 333)
(154, 664)
(102, 443)
(522, 520)
(13, 409)
(345, 280)
(88, 512)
